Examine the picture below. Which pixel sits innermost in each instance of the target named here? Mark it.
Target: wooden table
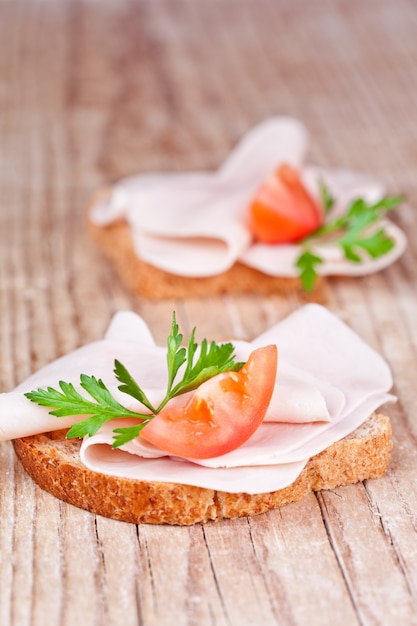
(93, 91)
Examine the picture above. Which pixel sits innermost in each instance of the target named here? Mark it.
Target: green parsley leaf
(176, 356)
(212, 360)
(307, 263)
(130, 386)
(376, 244)
(126, 434)
(387, 204)
(70, 402)
(327, 199)
(353, 231)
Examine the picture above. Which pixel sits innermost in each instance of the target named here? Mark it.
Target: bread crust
(54, 464)
(115, 241)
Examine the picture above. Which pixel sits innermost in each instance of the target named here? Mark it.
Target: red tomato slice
(283, 211)
(221, 414)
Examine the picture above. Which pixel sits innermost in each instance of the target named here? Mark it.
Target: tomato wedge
(221, 414)
(283, 211)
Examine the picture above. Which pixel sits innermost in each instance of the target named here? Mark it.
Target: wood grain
(92, 91)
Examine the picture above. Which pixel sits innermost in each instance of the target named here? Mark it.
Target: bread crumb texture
(54, 464)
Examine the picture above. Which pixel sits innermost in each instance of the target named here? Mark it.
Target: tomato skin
(283, 211)
(221, 414)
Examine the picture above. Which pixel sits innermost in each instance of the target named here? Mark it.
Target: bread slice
(53, 462)
(115, 241)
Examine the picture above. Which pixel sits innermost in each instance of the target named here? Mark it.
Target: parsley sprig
(354, 231)
(212, 359)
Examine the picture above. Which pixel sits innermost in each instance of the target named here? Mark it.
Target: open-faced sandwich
(264, 222)
(184, 434)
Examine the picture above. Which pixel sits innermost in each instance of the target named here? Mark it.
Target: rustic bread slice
(53, 462)
(140, 277)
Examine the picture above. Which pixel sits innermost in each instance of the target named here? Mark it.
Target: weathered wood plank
(47, 563)
(371, 567)
(82, 577)
(282, 567)
(179, 583)
(7, 518)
